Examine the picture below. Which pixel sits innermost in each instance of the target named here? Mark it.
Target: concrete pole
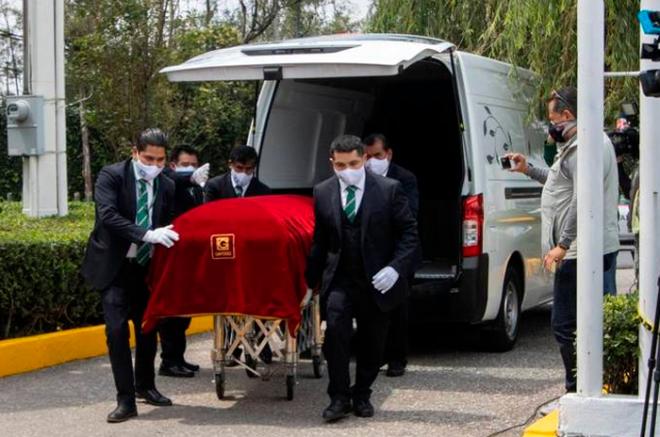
(649, 207)
(44, 176)
(60, 112)
(591, 23)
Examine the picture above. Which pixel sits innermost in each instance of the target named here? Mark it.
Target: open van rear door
(306, 58)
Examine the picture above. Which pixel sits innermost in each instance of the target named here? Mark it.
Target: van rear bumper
(461, 300)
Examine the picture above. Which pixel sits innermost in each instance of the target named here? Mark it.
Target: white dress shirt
(234, 185)
(358, 193)
(132, 251)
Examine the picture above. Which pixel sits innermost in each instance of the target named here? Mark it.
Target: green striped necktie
(142, 218)
(351, 202)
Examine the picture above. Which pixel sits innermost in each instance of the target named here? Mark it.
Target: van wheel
(501, 335)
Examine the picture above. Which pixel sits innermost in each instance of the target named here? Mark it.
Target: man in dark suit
(365, 239)
(379, 161)
(240, 180)
(134, 206)
(189, 178)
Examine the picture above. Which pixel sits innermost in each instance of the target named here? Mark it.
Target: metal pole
(591, 52)
(649, 186)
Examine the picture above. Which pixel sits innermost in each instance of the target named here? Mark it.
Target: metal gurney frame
(254, 333)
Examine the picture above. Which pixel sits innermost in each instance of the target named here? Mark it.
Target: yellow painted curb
(26, 354)
(544, 427)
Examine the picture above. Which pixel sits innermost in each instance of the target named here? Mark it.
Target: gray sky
(358, 8)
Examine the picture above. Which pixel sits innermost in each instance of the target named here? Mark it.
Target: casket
(243, 256)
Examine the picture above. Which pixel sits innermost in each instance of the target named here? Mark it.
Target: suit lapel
(335, 205)
(391, 172)
(366, 203)
(130, 190)
(229, 188)
(158, 201)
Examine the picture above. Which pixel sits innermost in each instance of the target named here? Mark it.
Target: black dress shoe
(363, 408)
(153, 397)
(122, 413)
(395, 369)
(176, 371)
(190, 366)
(336, 410)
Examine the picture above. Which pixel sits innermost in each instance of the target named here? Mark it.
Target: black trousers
(172, 332)
(564, 314)
(396, 348)
(343, 303)
(126, 299)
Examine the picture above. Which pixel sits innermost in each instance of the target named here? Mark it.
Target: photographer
(559, 218)
(625, 139)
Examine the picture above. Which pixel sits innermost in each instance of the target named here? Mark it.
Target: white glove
(165, 236)
(385, 279)
(201, 175)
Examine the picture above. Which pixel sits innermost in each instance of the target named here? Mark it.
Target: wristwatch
(563, 246)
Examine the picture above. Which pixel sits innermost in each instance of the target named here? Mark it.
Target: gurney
(243, 261)
(256, 334)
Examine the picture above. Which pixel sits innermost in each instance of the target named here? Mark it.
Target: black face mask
(556, 131)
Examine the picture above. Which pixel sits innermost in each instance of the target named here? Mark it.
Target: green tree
(539, 35)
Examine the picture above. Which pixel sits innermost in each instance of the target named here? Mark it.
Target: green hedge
(621, 343)
(41, 289)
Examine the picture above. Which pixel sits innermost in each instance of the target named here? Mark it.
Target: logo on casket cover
(222, 246)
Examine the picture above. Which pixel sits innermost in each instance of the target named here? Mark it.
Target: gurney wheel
(252, 364)
(290, 384)
(319, 367)
(220, 385)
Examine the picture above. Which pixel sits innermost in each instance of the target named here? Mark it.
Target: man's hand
(519, 162)
(165, 236)
(385, 279)
(201, 175)
(554, 256)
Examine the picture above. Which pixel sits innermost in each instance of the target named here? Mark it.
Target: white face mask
(240, 179)
(147, 172)
(188, 169)
(378, 166)
(350, 176)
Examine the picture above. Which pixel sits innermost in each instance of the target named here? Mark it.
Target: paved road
(451, 389)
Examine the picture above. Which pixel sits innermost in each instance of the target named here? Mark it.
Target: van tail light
(473, 225)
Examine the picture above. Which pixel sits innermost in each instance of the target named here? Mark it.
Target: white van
(449, 117)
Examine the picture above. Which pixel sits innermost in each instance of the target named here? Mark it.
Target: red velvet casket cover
(235, 256)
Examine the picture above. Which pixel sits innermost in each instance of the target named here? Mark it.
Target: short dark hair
(370, 140)
(243, 154)
(347, 144)
(565, 100)
(182, 148)
(151, 137)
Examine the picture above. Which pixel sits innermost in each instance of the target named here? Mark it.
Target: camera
(506, 162)
(625, 138)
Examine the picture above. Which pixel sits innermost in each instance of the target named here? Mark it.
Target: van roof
(363, 37)
(318, 56)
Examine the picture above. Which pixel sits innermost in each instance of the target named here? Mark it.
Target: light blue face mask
(189, 169)
(147, 172)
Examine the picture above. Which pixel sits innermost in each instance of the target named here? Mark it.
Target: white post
(44, 176)
(649, 246)
(591, 23)
(60, 111)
